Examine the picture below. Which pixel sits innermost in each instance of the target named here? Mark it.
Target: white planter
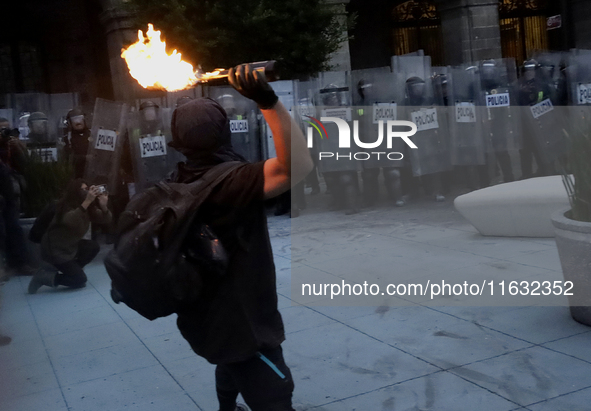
(573, 239)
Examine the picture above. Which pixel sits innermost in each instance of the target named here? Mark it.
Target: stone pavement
(77, 350)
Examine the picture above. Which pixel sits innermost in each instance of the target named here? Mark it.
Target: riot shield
(378, 96)
(579, 87)
(60, 104)
(544, 123)
(467, 140)
(412, 66)
(149, 136)
(26, 103)
(244, 124)
(173, 98)
(304, 112)
(425, 108)
(335, 102)
(107, 139)
(8, 113)
(551, 66)
(287, 94)
(499, 99)
(579, 78)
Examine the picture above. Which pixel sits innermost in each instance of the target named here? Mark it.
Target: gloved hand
(253, 85)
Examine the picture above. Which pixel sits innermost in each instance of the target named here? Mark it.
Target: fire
(153, 67)
(210, 75)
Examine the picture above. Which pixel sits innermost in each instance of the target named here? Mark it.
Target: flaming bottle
(154, 68)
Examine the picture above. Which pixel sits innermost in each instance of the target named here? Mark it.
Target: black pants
(264, 381)
(73, 274)
(12, 239)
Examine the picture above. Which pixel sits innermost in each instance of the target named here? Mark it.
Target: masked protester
(236, 325)
(62, 245)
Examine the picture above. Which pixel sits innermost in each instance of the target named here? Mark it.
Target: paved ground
(76, 350)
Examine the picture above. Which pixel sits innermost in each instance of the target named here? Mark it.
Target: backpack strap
(203, 186)
(199, 191)
(215, 175)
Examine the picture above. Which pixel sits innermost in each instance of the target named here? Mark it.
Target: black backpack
(42, 222)
(149, 270)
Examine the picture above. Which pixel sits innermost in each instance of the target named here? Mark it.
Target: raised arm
(293, 161)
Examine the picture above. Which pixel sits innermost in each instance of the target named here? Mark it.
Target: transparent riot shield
(286, 91)
(60, 104)
(579, 87)
(305, 112)
(412, 66)
(579, 78)
(379, 97)
(35, 124)
(149, 136)
(176, 98)
(500, 102)
(334, 97)
(107, 139)
(306, 100)
(425, 108)
(467, 139)
(8, 114)
(243, 116)
(551, 67)
(544, 123)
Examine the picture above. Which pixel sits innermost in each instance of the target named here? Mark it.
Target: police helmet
(147, 104)
(37, 116)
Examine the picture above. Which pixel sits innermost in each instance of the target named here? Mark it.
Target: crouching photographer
(63, 245)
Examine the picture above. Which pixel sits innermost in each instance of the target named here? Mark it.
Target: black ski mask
(201, 131)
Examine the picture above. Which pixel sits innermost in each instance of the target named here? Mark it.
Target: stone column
(580, 18)
(471, 30)
(120, 34)
(340, 60)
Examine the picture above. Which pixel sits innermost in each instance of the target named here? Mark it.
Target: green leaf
(302, 34)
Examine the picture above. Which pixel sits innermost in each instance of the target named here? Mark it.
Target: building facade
(454, 32)
(54, 46)
(65, 46)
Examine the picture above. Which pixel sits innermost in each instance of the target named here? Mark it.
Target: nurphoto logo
(392, 131)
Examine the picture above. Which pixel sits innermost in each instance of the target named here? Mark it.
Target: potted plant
(573, 225)
(45, 182)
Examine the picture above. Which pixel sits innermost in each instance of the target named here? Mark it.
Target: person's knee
(79, 281)
(87, 250)
(93, 248)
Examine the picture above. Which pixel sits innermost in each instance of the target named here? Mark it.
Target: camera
(102, 189)
(5, 134)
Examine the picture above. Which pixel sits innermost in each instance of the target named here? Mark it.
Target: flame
(210, 75)
(153, 67)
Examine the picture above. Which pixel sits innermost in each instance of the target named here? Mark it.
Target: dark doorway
(525, 30)
(417, 26)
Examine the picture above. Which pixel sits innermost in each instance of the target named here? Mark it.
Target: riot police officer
(340, 175)
(429, 162)
(500, 118)
(38, 129)
(377, 91)
(150, 117)
(182, 100)
(77, 140)
(544, 137)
